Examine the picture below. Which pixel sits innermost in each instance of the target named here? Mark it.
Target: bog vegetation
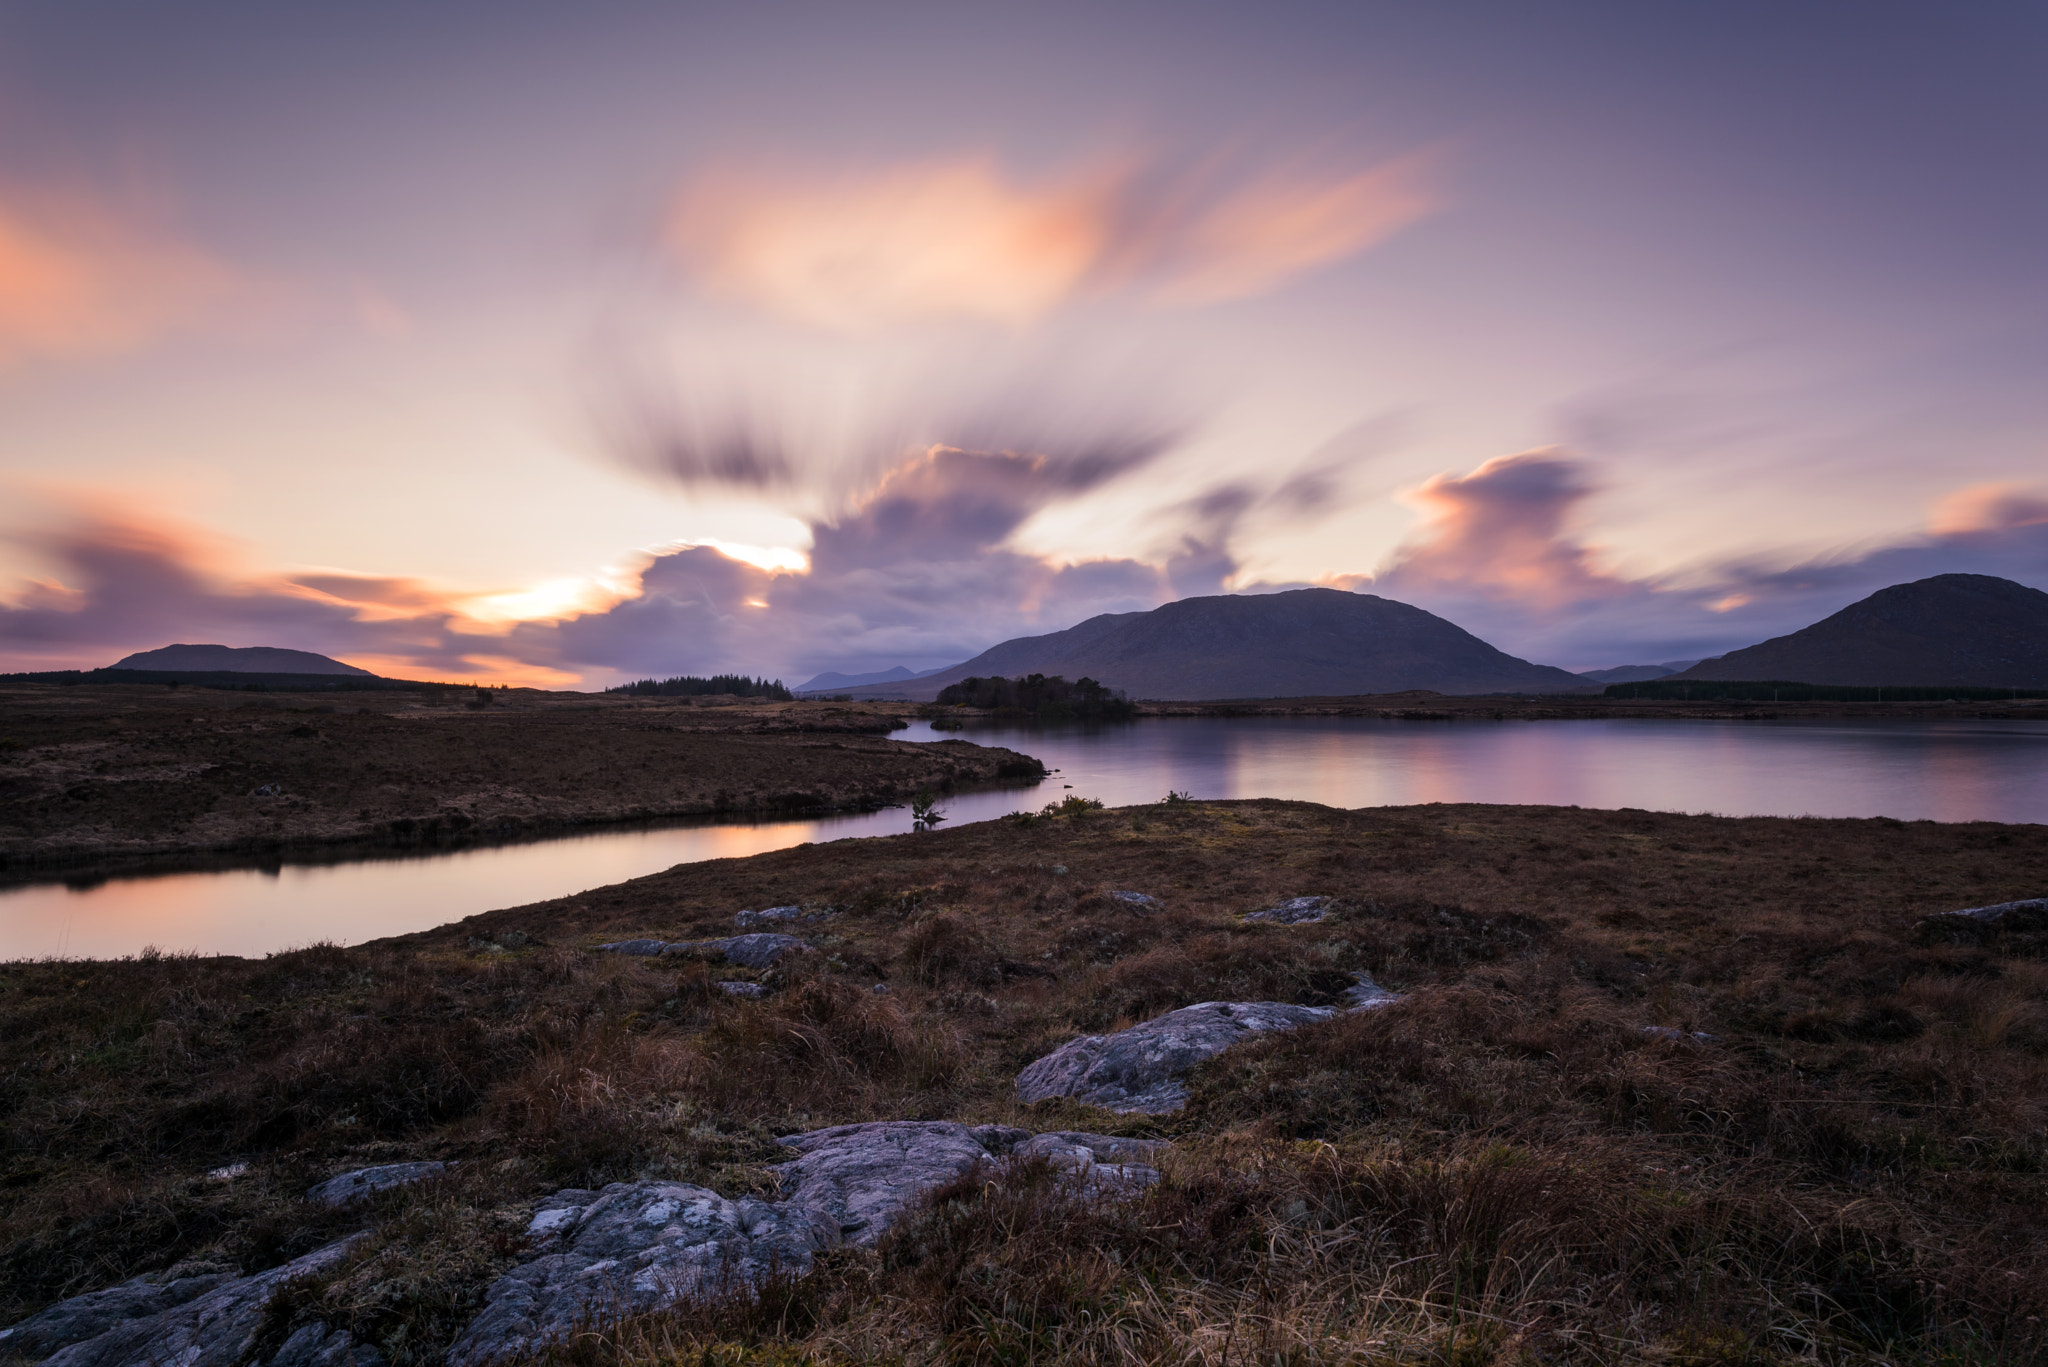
(1830, 1148)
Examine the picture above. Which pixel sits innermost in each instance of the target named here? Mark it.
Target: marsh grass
(1505, 1167)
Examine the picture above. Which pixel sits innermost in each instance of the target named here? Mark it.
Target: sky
(567, 344)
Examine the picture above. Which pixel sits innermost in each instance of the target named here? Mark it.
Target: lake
(1940, 771)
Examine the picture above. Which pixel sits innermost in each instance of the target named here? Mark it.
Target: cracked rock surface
(1295, 911)
(1144, 1069)
(638, 1246)
(217, 1328)
(350, 1187)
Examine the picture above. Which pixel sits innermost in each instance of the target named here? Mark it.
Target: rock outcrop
(360, 1185)
(1295, 911)
(639, 1246)
(218, 1328)
(1144, 1069)
(762, 949)
(1137, 901)
(1983, 925)
(93, 1314)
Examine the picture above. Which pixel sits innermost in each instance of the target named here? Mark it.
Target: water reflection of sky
(1944, 771)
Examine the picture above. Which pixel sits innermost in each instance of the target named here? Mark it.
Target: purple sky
(556, 343)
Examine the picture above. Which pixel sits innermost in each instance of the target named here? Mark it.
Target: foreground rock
(761, 949)
(1144, 1069)
(1295, 911)
(640, 1246)
(218, 1328)
(90, 1315)
(363, 1183)
(1983, 925)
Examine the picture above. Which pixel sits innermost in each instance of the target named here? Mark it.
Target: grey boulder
(1142, 901)
(1295, 911)
(1144, 1069)
(854, 1180)
(87, 1316)
(640, 1246)
(1096, 1161)
(216, 1329)
(1365, 995)
(633, 1247)
(751, 991)
(1981, 925)
(767, 916)
(360, 1185)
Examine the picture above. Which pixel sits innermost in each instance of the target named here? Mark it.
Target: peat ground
(113, 777)
(1505, 1167)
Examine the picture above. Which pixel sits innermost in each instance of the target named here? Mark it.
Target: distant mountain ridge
(237, 660)
(1635, 673)
(829, 681)
(1958, 630)
(1301, 643)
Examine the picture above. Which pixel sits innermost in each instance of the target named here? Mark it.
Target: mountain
(829, 682)
(1635, 673)
(1960, 630)
(238, 660)
(1302, 643)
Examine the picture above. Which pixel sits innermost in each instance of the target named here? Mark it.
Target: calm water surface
(1943, 771)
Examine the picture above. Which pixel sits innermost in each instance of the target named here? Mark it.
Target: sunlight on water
(1943, 771)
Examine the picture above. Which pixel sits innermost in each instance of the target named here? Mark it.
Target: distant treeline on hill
(1052, 699)
(1772, 690)
(689, 686)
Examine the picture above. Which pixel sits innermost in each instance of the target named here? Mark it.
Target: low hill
(180, 659)
(1961, 630)
(830, 681)
(1635, 673)
(1305, 642)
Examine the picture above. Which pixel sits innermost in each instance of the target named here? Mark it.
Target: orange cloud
(1988, 508)
(75, 281)
(959, 239)
(1502, 530)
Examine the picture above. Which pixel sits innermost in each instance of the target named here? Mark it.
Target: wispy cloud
(79, 280)
(963, 239)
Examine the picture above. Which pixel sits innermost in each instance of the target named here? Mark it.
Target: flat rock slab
(1295, 911)
(1142, 901)
(216, 1329)
(762, 949)
(633, 1247)
(639, 1246)
(88, 1316)
(1981, 925)
(1144, 1069)
(360, 1185)
(854, 1180)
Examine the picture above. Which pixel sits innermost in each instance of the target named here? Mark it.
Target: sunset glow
(841, 342)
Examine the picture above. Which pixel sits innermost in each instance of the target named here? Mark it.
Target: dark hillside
(1305, 642)
(1965, 630)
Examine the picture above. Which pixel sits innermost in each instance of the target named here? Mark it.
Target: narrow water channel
(1941, 771)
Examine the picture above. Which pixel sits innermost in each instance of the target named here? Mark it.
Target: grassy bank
(108, 777)
(1505, 1167)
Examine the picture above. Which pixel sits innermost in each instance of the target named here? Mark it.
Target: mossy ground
(1505, 1167)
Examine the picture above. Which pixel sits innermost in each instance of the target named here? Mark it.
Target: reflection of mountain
(828, 681)
(1962, 630)
(1636, 673)
(1302, 643)
(237, 660)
